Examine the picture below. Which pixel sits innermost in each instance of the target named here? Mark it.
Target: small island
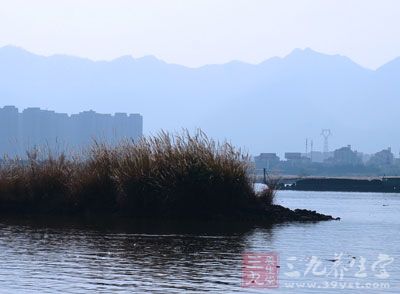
(166, 177)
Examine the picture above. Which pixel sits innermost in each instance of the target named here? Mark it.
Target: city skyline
(12, 121)
(342, 161)
(35, 127)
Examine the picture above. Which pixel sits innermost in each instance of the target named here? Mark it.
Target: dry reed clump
(161, 176)
(267, 195)
(26, 185)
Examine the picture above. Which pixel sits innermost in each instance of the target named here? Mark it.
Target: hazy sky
(199, 32)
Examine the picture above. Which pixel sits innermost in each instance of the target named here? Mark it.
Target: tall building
(34, 127)
(345, 156)
(266, 160)
(382, 158)
(10, 131)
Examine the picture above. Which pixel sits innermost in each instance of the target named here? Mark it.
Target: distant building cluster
(342, 161)
(20, 131)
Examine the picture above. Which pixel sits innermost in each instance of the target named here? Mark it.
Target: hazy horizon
(208, 63)
(309, 90)
(205, 32)
(198, 66)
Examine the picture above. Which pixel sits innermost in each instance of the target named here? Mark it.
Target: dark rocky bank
(280, 214)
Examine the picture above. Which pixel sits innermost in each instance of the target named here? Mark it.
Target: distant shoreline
(378, 185)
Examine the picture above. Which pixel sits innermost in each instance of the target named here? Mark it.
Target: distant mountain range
(269, 107)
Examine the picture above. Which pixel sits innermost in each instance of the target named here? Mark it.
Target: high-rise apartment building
(42, 128)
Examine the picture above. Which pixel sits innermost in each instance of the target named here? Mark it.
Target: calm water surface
(72, 257)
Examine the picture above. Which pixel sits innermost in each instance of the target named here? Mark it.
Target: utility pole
(312, 149)
(306, 147)
(265, 175)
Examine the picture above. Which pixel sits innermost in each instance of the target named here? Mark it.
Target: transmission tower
(326, 133)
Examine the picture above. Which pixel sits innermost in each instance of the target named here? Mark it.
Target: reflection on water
(69, 257)
(76, 257)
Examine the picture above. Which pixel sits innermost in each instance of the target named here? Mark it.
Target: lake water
(72, 257)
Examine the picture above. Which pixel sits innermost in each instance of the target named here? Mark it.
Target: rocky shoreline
(279, 214)
(275, 214)
(270, 214)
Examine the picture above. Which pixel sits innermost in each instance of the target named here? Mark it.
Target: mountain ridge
(266, 107)
(294, 51)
